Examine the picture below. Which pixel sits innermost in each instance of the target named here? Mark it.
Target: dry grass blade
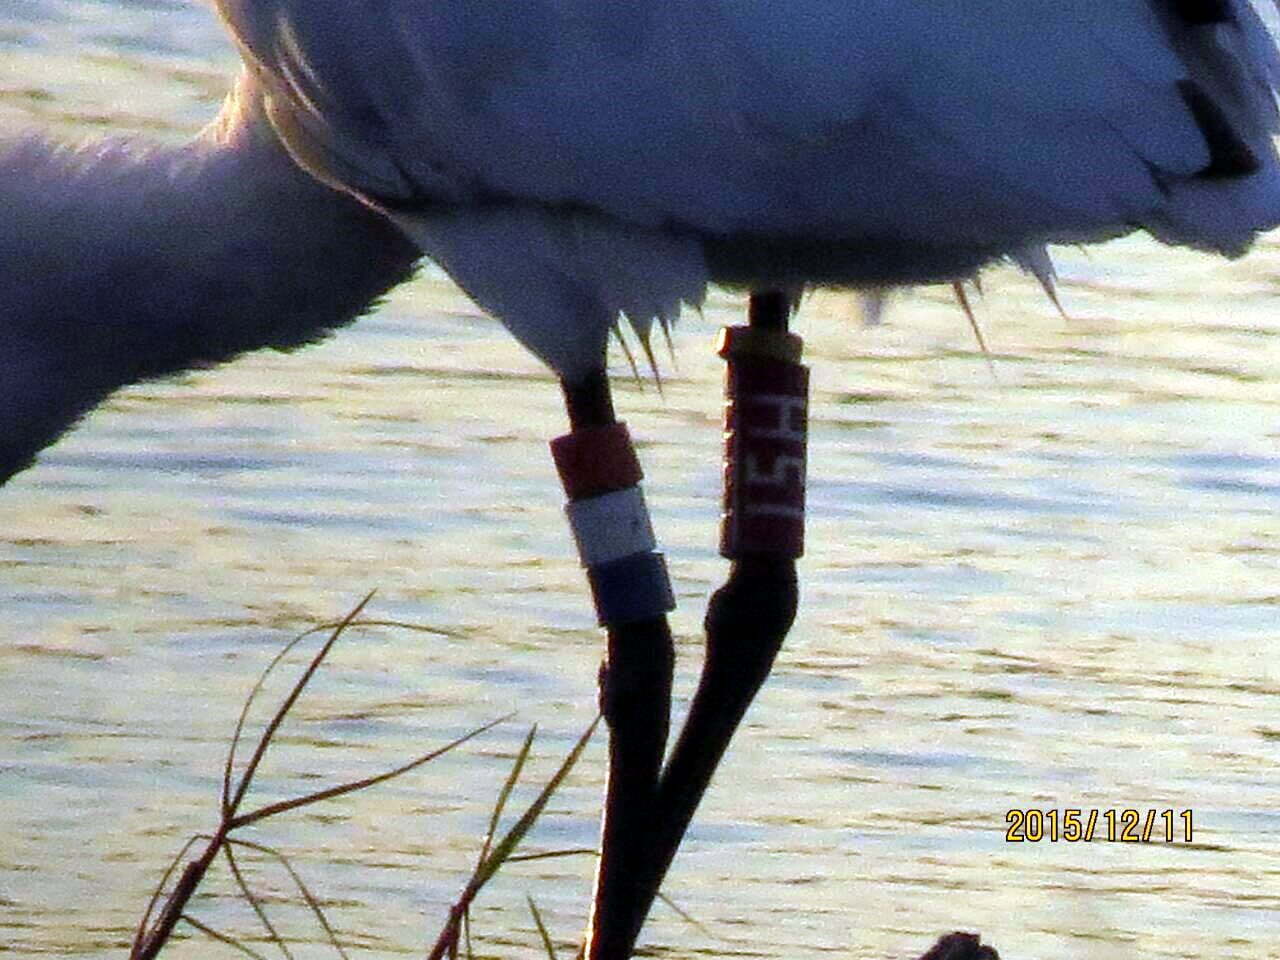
(254, 901)
(229, 765)
(505, 793)
(506, 846)
(152, 936)
(329, 793)
(347, 621)
(141, 932)
(494, 817)
(547, 945)
(155, 927)
(688, 918)
(401, 625)
(446, 944)
(312, 902)
(230, 941)
(231, 804)
(550, 854)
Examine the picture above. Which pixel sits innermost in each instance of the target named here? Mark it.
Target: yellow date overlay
(1072, 825)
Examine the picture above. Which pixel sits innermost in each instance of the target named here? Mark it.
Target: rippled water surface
(1055, 585)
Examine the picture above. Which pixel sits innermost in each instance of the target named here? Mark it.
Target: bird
(576, 165)
(568, 163)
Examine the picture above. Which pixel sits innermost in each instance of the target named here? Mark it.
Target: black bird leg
(601, 476)
(762, 534)
(648, 807)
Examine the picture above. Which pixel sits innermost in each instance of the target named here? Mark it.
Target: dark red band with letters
(765, 431)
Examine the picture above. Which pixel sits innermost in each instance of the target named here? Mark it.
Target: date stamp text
(1082, 825)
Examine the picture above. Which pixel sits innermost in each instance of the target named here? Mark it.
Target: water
(1052, 587)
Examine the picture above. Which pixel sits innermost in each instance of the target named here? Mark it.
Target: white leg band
(611, 526)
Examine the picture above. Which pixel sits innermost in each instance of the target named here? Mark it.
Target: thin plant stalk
(158, 920)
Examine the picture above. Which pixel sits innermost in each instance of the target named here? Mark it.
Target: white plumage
(608, 142)
(568, 161)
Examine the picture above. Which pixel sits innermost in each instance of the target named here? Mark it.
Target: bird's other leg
(601, 475)
(762, 534)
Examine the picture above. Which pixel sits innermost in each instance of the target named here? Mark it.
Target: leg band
(765, 429)
(611, 526)
(633, 588)
(610, 522)
(596, 460)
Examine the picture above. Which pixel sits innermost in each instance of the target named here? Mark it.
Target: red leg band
(601, 476)
(596, 460)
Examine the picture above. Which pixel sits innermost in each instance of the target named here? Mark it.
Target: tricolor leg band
(611, 526)
(633, 588)
(766, 419)
(610, 522)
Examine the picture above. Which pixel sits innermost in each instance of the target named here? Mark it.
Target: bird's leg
(601, 476)
(762, 534)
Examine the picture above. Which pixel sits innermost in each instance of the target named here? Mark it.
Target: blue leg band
(633, 588)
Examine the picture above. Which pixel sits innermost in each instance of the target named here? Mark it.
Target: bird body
(568, 161)
(122, 261)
